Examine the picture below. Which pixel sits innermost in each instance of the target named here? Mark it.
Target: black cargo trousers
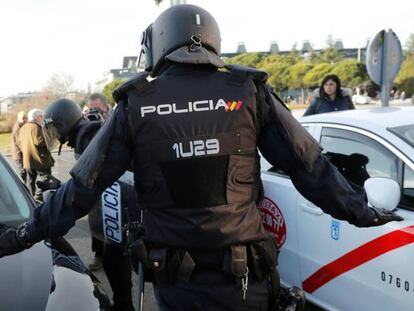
(239, 277)
(217, 295)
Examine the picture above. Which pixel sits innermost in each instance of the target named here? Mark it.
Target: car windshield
(405, 132)
(14, 205)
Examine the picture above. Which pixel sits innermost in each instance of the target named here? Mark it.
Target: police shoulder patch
(256, 74)
(138, 82)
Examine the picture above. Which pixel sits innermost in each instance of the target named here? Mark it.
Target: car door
(279, 216)
(348, 268)
(25, 277)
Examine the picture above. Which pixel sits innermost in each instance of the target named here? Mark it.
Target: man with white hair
(37, 160)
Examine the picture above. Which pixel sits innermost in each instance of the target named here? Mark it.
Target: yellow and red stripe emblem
(233, 105)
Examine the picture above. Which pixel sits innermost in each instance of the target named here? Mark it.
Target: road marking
(358, 257)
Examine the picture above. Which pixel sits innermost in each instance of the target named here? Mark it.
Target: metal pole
(385, 70)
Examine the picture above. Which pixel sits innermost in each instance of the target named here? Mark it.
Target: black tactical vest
(196, 166)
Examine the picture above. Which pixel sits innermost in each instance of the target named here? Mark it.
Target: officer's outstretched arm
(104, 161)
(288, 146)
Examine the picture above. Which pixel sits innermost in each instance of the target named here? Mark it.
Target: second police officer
(64, 121)
(193, 133)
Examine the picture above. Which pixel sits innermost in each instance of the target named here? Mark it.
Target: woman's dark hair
(334, 78)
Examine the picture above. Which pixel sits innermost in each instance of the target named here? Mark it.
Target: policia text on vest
(195, 106)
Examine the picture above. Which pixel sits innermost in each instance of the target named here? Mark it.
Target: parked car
(340, 266)
(361, 99)
(49, 276)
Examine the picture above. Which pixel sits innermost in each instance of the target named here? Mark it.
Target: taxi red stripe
(359, 256)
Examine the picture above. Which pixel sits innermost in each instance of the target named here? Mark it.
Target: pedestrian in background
(330, 97)
(17, 155)
(37, 160)
(99, 106)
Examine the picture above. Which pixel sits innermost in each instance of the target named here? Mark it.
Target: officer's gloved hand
(12, 240)
(50, 183)
(382, 216)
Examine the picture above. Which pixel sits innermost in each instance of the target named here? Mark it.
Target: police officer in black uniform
(64, 121)
(193, 134)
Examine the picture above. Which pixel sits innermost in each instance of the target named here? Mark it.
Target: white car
(361, 99)
(342, 267)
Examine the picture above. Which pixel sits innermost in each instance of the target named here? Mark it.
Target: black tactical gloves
(50, 183)
(13, 241)
(382, 216)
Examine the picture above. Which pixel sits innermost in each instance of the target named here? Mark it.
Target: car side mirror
(382, 192)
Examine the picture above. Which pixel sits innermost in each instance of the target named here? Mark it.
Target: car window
(407, 198)
(405, 132)
(358, 157)
(14, 205)
(268, 168)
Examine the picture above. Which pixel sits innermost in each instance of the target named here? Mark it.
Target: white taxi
(342, 267)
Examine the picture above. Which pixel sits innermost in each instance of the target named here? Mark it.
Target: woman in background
(330, 97)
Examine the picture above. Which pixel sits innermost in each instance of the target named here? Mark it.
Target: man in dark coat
(37, 160)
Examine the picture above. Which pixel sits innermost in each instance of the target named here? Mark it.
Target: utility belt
(169, 265)
(253, 262)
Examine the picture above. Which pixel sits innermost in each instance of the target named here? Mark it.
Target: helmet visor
(51, 136)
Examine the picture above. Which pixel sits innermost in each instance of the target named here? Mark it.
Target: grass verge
(5, 143)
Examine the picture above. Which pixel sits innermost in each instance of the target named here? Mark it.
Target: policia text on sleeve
(197, 174)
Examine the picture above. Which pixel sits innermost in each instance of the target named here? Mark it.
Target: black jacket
(317, 180)
(82, 134)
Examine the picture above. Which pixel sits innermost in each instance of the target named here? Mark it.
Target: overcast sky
(87, 37)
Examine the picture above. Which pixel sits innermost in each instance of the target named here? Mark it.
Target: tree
(277, 67)
(330, 43)
(59, 85)
(294, 51)
(410, 46)
(405, 78)
(109, 88)
(351, 72)
(277, 75)
(246, 59)
(314, 77)
(296, 74)
(330, 54)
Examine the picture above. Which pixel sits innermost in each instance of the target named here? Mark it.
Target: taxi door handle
(306, 207)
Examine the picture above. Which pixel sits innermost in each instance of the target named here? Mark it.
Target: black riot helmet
(59, 119)
(184, 34)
